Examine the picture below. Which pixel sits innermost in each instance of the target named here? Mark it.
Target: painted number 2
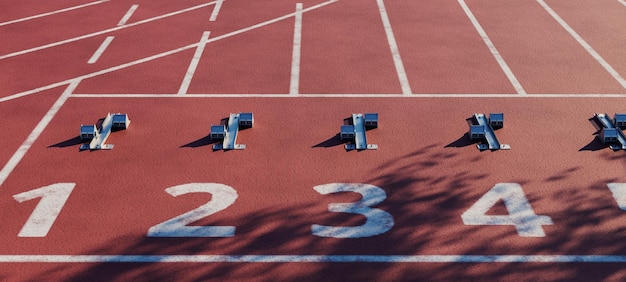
(222, 197)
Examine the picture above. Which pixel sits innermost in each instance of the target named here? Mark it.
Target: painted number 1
(53, 198)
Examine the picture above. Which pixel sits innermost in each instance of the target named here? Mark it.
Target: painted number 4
(521, 214)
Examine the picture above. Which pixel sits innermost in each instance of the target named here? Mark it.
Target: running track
(424, 66)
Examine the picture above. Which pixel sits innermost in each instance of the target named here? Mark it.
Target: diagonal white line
(622, 2)
(30, 140)
(94, 58)
(128, 14)
(51, 13)
(585, 45)
(294, 84)
(42, 47)
(160, 55)
(216, 10)
(395, 52)
(193, 64)
(507, 71)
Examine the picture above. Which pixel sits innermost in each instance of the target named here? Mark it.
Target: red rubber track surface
(425, 163)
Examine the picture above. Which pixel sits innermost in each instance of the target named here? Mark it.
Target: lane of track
(345, 50)
(544, 57)
(442, 52)
(601, 26)
(258, 59)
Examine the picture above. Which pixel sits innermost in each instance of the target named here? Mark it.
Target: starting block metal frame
(97, 137)
(611, 131)
(228, 134)
(356, 131)
(482, 128)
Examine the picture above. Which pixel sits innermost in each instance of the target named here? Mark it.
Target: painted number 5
(377, 221)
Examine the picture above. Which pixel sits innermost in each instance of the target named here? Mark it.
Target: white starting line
(312, 259)
(360, 96)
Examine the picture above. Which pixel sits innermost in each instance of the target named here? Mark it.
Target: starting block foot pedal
(482, 147)
(217, 147)
(103, 147)
(350, 147)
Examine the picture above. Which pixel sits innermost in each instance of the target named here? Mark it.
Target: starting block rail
(229, 134)
(356, 131)
(484, 130)
(610, 132)
(98, 137)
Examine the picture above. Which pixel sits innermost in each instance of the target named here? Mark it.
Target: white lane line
(313, 258)
(622, 2)
(30, 140)
(54, 44)
(193, 64)
(160, 55)
(417, 96)
(509, 74)
(216, 10)
(52, 13)
(126, 16)
(395, 52)
(94, 58)
(585, 45)
(294, 84)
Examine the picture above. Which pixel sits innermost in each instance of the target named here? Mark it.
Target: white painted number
(53, 197)
(222, 197)
(521, 214)
(619, 194)
(377, 221)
